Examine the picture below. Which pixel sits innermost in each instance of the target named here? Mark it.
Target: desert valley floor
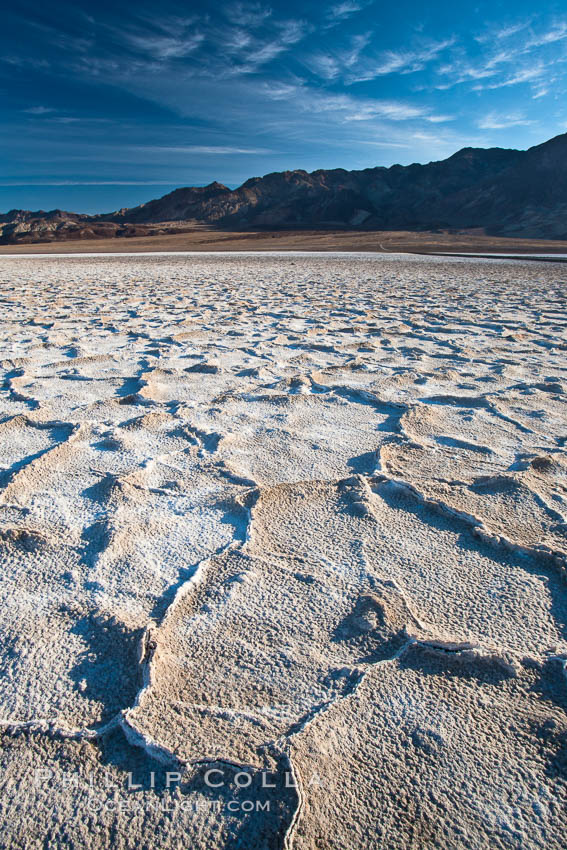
(283, 552)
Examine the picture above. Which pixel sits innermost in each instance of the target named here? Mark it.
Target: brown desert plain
(204, 239)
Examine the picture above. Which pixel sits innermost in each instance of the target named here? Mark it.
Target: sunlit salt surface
(299, 515)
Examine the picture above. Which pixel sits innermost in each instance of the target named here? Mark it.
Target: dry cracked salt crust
(284, 551)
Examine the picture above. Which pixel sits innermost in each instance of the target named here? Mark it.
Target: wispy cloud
(332, 66)
(341, 11)
(26, 62)
(399, 61)
(248, 15)
(459, 71)
(162, 47)
(216, 150)
(357, 110)
(39, 110)
(501, 32)
(248, 37)
(499, 121)
(324, 65)
(348, 108)
(514, 54)
(386, 144)
(528, 74)
(542, 91)
(352, 65)
(292, 31)
(558, 32)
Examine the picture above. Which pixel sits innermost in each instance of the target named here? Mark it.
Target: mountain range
(504, 192)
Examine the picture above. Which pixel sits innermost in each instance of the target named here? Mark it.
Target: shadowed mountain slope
(504, 192)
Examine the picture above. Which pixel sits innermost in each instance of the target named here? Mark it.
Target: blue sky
(108, 104)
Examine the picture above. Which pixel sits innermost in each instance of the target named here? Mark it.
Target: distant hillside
(504, 192)
(25, 227)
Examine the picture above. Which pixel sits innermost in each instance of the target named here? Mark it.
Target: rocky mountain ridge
(505, 192)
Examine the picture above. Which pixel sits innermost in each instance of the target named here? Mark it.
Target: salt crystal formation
(284, 548)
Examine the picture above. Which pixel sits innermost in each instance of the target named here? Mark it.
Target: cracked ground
(283, 552)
